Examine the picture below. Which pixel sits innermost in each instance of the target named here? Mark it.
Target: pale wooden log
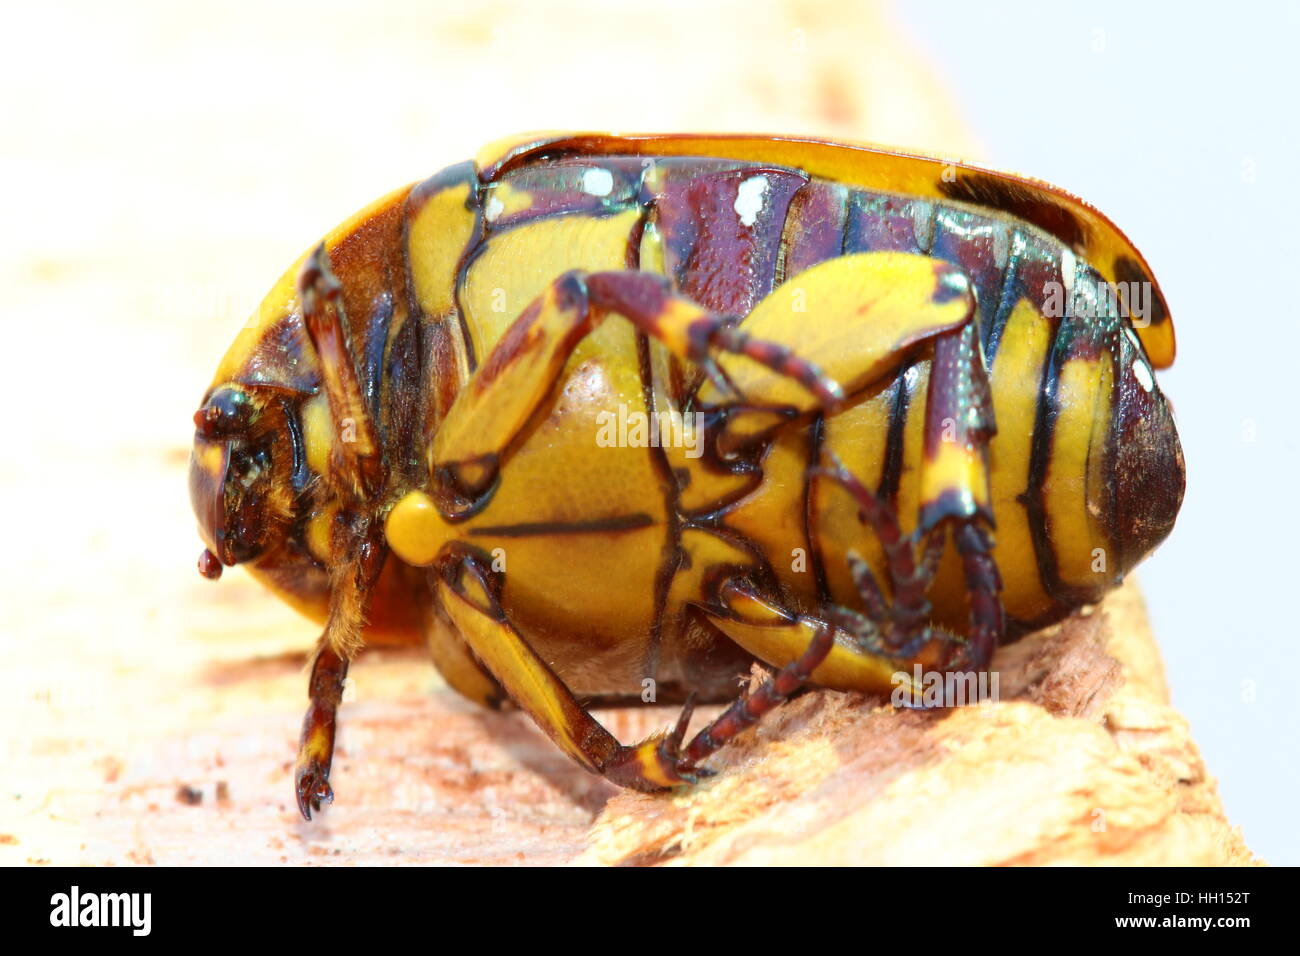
(1082, 761)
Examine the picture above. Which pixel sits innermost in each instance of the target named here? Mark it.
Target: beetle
(605, 419)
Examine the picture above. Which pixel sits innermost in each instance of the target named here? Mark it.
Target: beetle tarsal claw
(657, 763)
(670, 748)
(313, 788)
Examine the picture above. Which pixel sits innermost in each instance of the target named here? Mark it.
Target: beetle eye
(228, 411)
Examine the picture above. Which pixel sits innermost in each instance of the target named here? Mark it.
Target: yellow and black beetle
(613, 417)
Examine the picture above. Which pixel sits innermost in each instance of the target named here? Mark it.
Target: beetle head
(1147, 476)
(240, 475)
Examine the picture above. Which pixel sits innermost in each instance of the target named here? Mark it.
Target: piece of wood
(1081, 761)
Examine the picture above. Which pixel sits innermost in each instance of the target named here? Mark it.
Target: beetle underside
(590, 423)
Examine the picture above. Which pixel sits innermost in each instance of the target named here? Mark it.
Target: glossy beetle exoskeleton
(613, 418)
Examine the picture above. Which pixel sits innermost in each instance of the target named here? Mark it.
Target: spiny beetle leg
(908, 580)
(316, 745)
(903, 627)
(984, 586)
(750, 707)
(358, 545)
(958, 426)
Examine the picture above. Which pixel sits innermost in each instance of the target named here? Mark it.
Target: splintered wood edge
(1080, 760)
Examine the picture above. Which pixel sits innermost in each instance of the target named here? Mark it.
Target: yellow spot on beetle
(415, 530)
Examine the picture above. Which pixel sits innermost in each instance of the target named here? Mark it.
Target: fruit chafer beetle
(610, 418)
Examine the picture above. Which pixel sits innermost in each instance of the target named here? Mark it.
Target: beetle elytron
(404, 440)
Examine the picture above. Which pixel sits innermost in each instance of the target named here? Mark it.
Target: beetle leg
(779, 637)
(320, 293)
(770, 694)
(351, 584)
(954, 486)
(855, 317)
(873, 651)
(316, 745)
(470, 593)
(908, 578)
(457, 666)
(523, 367)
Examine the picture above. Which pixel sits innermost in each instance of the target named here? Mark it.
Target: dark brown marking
(1019, 200)
(671, 554)
(900, 405)
(526, 529)
(811, 539)
(1129, 270)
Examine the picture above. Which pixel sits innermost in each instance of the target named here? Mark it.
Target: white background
(1180, 122)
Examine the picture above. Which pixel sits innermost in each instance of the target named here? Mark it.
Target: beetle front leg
(362, 542)
(316, 745)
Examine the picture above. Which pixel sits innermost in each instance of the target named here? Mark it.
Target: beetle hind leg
(748, 708)
(871, 650)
